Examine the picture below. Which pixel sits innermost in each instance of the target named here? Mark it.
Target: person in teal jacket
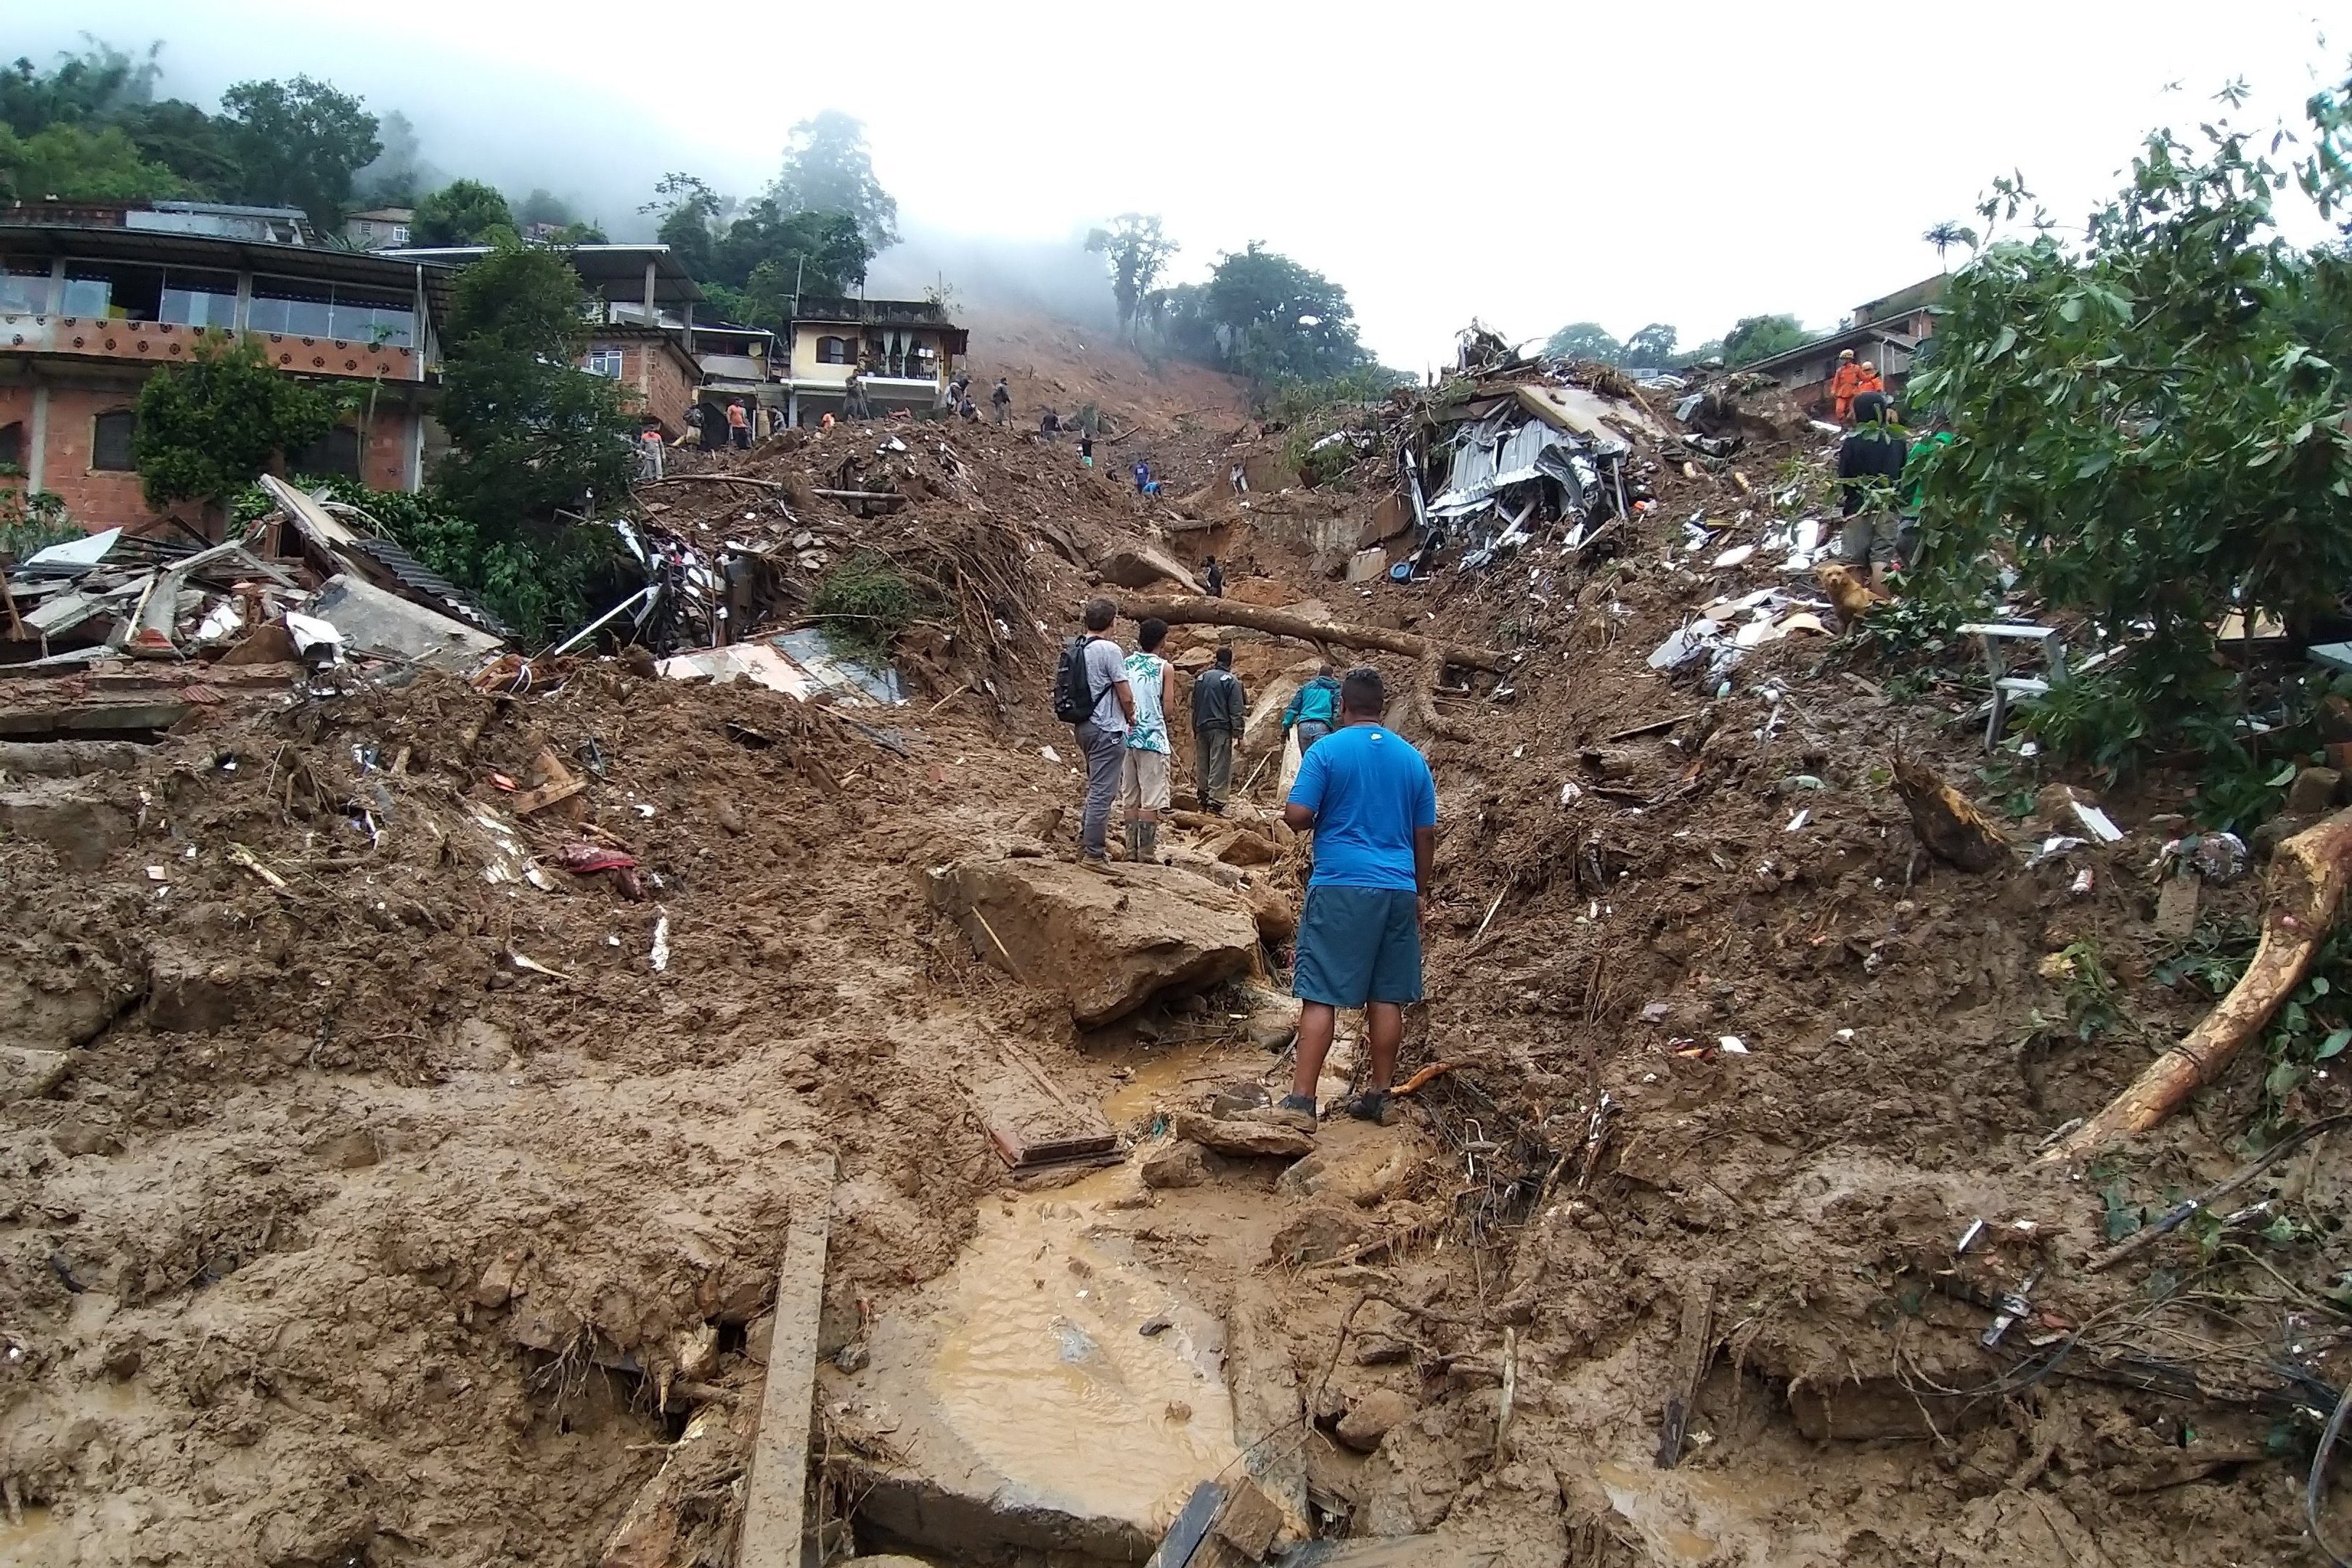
(1313, 710)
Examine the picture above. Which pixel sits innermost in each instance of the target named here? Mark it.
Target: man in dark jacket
(1220, 709)
(1870, 465)
(1216, 579)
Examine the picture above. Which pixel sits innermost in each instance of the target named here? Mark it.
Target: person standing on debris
(1085, 452)
(649, 453)
(1002, 401)
(1314, 709)
(738, 426)
(1367, 796)
(1869, 466)
(1093, 694)
(1143, 774)
(1213, 580)
(1220, 710)
(1142, 472)
(854, 404)
(1050, 426)
(1852, 379)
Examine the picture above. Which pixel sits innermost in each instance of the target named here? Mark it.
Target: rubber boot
(1134, 841)
(1150, 841)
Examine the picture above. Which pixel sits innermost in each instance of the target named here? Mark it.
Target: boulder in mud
(1373, 1417)
(1362, 1176)
(1132, 565)
(1260, 1140)
(1319, 1234)
(1106, 944)
(1180, 1163)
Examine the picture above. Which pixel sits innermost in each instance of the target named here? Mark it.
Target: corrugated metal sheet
(425, 584)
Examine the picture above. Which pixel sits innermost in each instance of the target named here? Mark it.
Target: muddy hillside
(684, 1106)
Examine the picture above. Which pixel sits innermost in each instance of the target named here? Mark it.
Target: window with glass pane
(109, 441)
(198, 299)
(104, 289)
(605, 362)
(292, 307)
(336, 452)
(373, 316)
(24, 287)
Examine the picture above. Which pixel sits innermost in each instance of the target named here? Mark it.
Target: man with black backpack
(1091, 693)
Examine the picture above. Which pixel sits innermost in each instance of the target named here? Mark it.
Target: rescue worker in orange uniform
(1854, 377)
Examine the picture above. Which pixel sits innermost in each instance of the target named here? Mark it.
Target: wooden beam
(777, 1494)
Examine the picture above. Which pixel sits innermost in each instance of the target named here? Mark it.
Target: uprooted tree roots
(2306, 887)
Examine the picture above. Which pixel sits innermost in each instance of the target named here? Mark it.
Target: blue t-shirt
(1368, 789)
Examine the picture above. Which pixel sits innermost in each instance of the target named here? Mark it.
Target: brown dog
(1852, 596)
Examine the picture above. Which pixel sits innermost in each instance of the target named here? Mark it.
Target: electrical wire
(2318, 1483)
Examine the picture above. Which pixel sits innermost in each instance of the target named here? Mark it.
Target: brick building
(642, 331)
(94, 297)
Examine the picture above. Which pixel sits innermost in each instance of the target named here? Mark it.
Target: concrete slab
(1025, 1409)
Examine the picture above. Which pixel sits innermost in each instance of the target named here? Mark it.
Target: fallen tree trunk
(2306, 884)
(1204, 612)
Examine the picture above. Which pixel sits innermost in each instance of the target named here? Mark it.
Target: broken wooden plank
(532, 800)
(777, 1494)
(1652, 728)
(1694, 1353)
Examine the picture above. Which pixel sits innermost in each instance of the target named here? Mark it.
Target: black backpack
(1074, 692)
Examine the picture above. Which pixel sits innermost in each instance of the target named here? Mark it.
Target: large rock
(1134, 565)
(1108, 944)
(1373, 1417)
(1274, 1139)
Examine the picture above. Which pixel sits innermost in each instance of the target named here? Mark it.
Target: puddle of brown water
(38, 1542)
(1162, 1079)
(1042, 1374)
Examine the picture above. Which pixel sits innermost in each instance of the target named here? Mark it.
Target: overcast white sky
(1691, 162)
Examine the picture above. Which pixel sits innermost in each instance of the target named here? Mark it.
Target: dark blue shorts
(1357, 945)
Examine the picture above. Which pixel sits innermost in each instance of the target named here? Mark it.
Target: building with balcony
(641, 329)
(902, 351)
(1887, 333)
(94, 297)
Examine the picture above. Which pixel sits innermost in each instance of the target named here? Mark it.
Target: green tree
(1753, 338)
(828, 169)
(543, 205)
(192, 144)
(1137, 253)
(1948, 234)
(1585, 341)
(1263, 316)
(75, 162)
(689, 211)
(210, 423)
(830, 244)
(300, 143)
(1651, 348)
(2150, 429)
(85, 89)
(463, 212)
(532, 437)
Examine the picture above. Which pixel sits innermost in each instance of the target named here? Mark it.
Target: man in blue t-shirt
(1368, 797)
